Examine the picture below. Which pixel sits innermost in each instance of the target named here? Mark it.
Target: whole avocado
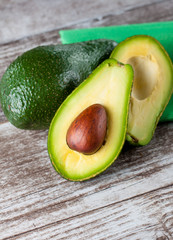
(38, 81)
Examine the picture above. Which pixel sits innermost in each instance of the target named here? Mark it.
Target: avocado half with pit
(88, 131)
(152, 86)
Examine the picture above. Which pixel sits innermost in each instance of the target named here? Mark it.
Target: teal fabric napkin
(162, 31)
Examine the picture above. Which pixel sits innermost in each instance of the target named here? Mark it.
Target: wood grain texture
(133, 198)
(144, 217)
(33, 196)
(23, 18)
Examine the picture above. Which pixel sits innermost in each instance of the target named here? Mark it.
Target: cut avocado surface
(109, 86)
(152, 87)
(37, 82)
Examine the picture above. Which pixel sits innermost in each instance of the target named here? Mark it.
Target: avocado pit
(87, 132)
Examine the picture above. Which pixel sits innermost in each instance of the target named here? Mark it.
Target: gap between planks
(150, 195)
(79, 13)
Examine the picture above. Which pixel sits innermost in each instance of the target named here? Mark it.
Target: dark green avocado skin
(38, 81)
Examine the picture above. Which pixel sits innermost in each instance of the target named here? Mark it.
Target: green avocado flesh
(38, 81)
(109, 85)
(152, 87)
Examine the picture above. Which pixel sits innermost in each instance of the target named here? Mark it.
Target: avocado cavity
(146, 76)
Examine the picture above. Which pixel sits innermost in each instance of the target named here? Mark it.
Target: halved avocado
(110, 86)
(152, 87)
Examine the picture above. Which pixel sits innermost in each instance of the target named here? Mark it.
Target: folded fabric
(162, 31)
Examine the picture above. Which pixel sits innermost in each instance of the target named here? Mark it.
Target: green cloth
(162, 31)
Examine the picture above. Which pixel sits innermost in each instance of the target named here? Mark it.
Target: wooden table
(133, 199)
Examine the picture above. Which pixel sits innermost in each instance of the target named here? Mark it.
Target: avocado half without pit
(152, 86)
(88, 131)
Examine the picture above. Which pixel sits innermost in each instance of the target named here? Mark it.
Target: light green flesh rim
(109, 85)
(144, 133)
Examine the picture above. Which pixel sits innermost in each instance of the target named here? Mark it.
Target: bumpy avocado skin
(38, 81)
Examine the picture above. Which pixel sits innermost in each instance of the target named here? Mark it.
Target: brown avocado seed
(87, 132)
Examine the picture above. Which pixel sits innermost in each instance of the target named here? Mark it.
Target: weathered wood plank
(153, 12)
(34, 195)
(145, 217)
(22, 18)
